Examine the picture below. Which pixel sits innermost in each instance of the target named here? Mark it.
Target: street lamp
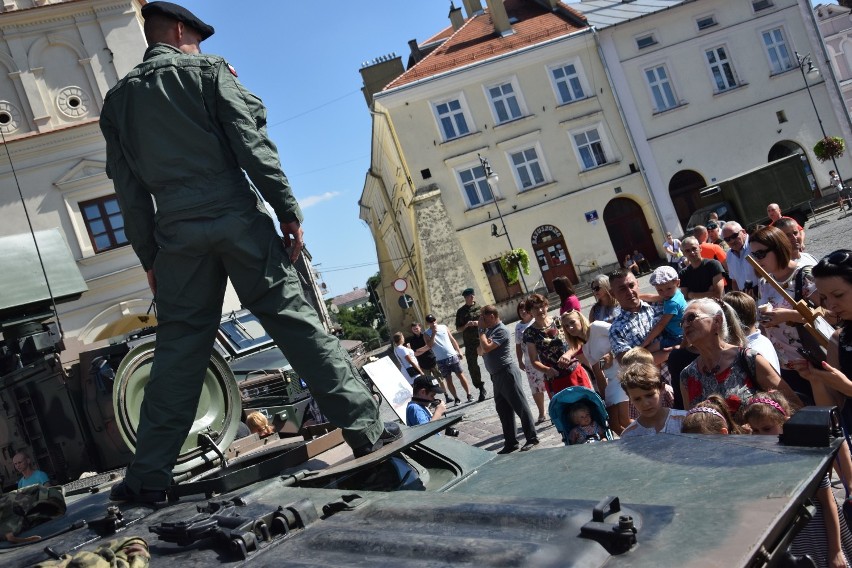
(803, 61)
(491, 176)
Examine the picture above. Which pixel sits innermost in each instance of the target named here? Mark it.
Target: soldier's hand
(152, 281)
(293, 242)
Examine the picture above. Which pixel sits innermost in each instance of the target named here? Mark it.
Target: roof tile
(476, 40)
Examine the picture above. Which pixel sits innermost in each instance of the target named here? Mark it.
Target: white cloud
(312, 200)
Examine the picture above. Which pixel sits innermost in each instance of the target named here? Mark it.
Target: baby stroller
(565, 401)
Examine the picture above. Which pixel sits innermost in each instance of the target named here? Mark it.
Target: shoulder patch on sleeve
(232, 70)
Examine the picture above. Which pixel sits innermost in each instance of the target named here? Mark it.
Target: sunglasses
(730, 238)
(689, 318)
(596, 288)
(838, 257)
(760, 254)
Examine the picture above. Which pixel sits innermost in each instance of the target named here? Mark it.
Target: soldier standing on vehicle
(182, 129)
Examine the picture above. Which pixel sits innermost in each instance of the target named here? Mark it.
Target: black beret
(180, 14)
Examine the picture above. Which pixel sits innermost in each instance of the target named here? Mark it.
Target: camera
(452, 432)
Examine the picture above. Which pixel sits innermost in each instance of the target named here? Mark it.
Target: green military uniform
(470, 340)
(181, 128)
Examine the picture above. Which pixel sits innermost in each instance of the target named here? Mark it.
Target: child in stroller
(585, 429)
(580, 416)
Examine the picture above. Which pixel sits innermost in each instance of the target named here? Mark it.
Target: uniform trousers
(509, 400)
(472, 359)
(195, 259)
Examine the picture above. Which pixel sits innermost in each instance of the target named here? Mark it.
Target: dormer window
(646, 41)
(705, 22)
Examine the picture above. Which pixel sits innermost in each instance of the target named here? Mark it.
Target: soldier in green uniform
(467, 323)
(181, 131)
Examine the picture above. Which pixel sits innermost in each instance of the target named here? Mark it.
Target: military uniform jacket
(470, 335)
(181, 128)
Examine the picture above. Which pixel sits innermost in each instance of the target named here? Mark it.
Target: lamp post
(801, 62)
(491, 176)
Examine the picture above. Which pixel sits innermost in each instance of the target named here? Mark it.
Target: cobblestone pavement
(480, 427)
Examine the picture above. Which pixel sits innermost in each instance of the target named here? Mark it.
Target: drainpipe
(627, 128)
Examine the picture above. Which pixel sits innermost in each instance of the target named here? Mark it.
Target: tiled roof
(353, 296)
(476, 40)
(605, 13)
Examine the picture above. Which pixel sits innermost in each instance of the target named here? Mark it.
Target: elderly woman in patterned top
(725, 366)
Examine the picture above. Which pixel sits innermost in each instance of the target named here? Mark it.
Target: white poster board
(391, 383)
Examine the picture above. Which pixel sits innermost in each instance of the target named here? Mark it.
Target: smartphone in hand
(810, 357)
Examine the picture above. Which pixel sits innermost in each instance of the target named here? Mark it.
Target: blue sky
(302, 59)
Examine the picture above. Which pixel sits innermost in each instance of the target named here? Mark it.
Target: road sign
(400, 285)
(406, 301)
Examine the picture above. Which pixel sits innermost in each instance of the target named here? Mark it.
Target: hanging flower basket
(513, 262)
(829, 148)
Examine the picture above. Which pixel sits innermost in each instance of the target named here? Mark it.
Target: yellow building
(520, 84)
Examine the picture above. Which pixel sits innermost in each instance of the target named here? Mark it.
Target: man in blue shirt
(424, 407)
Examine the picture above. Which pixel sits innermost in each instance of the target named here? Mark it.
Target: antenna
(32, 232)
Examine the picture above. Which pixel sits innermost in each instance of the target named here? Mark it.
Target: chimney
(499, 17)
(551, 4)
(456, 17)
(472, 7)
(416, 53)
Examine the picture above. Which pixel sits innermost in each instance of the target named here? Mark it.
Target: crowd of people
(722, 347)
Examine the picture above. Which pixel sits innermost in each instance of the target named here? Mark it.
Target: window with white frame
(721, 68)
(777, 50)
(590, 148)
(527, 167)
(104, 223)
(451, 117)
(568, 83)
(661, 88)
(475, 186)
(504, 102)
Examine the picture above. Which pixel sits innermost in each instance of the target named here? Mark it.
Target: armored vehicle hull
(655, 501)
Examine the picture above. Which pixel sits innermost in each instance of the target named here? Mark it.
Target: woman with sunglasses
(772, 250)
(724, 366)
(606, 308)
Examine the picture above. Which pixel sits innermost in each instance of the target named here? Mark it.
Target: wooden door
(552, 255)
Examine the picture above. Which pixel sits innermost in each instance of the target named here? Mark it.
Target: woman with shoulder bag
(782, 324)
(551, 351)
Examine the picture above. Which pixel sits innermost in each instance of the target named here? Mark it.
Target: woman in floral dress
(551, 351)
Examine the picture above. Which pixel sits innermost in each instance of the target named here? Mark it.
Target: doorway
(628, 230)
(683, 189)
(788, 148)
(552, 255)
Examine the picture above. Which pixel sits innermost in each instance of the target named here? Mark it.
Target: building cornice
(12, 21)
(25, 146)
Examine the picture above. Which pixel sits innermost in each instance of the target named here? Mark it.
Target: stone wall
(445, 266)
